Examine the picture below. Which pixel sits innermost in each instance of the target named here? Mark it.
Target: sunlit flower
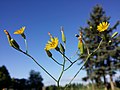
(20, 31)
(52, 44)
(103, 26)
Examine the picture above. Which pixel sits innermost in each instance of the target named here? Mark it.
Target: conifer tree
(106, 60)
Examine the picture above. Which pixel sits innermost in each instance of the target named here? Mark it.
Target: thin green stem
(57, 62)
(66, 57)
(26, 45)
(37, 64)
(80, 69)
(65, 46)
(74, 54)
(87, 47)
(71, 65)
(84, 63)
(58, 82)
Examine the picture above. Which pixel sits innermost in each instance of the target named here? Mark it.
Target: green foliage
(5, 78)
(105, 61)
(35, 80)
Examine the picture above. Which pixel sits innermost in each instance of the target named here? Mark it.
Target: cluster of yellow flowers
(53, 43)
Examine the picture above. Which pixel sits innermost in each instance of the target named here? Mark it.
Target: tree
(35, 80)
(19, 84)
(5, 78)
(106, 60)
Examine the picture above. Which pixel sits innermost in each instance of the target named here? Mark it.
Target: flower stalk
(53, 44)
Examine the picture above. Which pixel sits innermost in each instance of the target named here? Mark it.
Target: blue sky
(41, 17)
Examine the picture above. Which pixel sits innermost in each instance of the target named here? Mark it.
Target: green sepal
(23, 36)
(48, 53)
(62, 48)
(14, 44)
(57, 48)
(9, 40)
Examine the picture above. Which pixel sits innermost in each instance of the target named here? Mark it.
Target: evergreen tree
(106, 60)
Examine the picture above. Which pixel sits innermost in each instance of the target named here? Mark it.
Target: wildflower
(52, 44)
(103, 26)
(21, 32)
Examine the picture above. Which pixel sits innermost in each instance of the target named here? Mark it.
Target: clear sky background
(41, 17)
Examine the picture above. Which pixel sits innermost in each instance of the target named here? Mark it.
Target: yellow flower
(103, 26)
(20, 31)
(52, 44)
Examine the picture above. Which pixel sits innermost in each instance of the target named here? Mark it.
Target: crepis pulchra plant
(54, 44)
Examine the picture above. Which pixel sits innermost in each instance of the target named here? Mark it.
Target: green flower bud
(62, 48)
(81, 47)
(14, 44)
(63, 35)
(114, 34)
(48, 53)
(8, 36)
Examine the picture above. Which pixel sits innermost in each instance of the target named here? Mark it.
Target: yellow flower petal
(52, 44)
(103, 26)
(20, 31)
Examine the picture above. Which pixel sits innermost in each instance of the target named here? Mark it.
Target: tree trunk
(111, 83)
(93, 87)
(105, 83)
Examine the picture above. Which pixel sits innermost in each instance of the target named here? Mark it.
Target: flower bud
(114, 34)
(8, 36)
(50, 34)
(63, 35)
(62, 48)
(81, 47)
(48, 53)
(14, 44)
